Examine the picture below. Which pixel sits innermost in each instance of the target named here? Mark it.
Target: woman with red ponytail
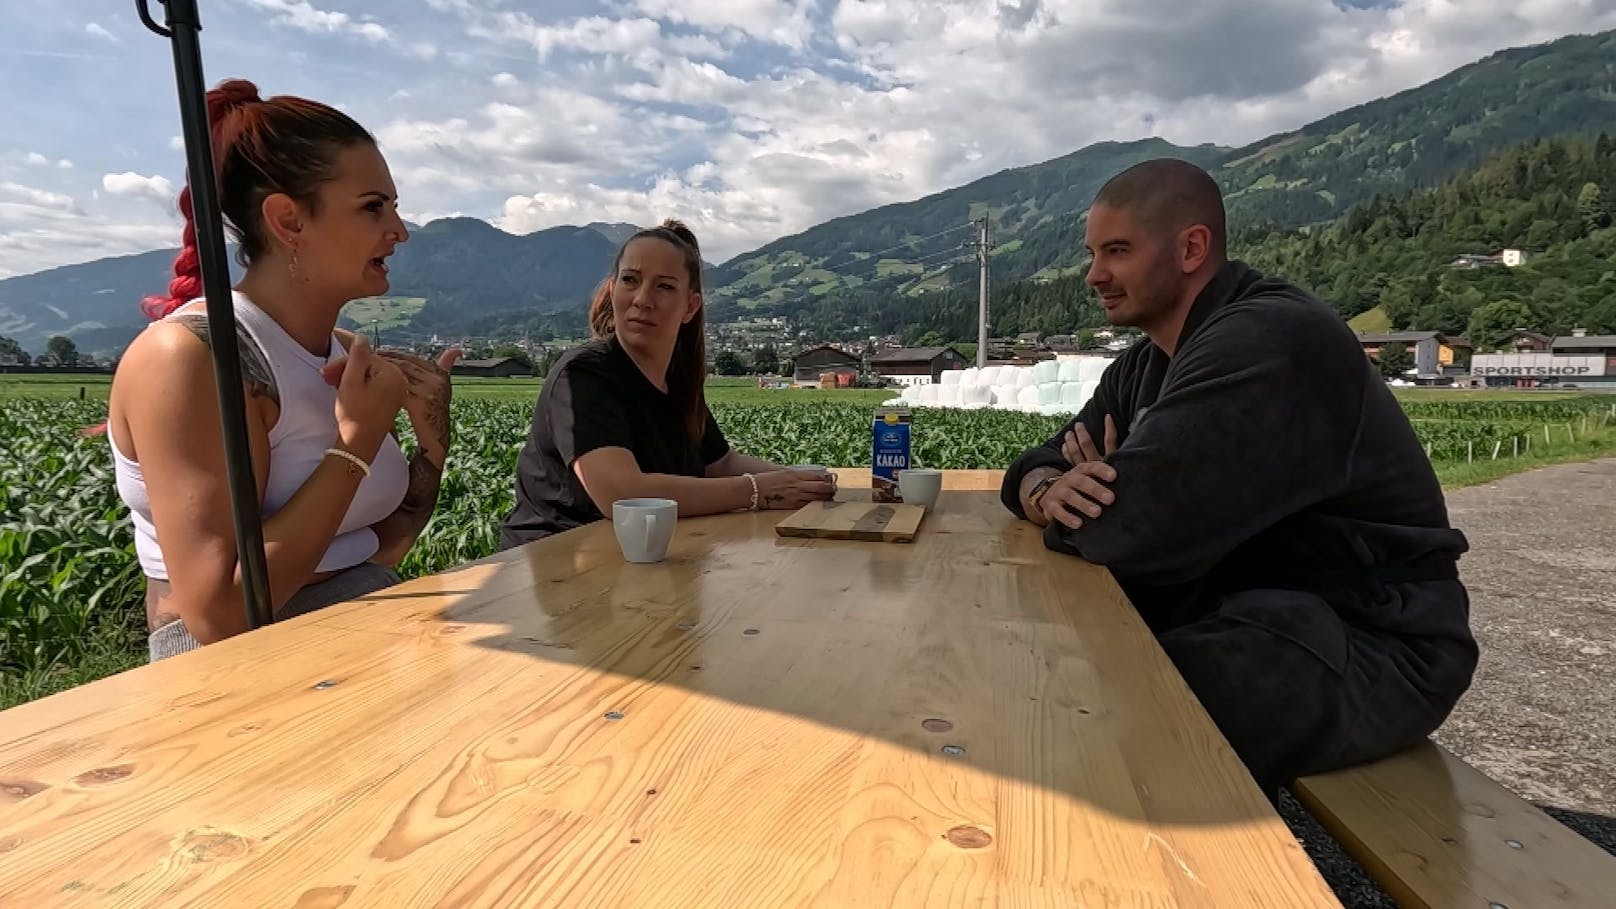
(313, 210)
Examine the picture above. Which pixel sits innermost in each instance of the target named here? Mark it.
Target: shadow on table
(972, 646)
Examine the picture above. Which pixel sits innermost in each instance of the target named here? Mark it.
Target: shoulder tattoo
(255, 371)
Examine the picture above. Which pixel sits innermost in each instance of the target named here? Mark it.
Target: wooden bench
(1436, 832)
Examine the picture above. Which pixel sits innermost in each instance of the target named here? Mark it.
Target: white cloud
(538, 134)
(95, 29)
(595, 33)
(33, 241)
(156, 188)
(16, 194)
(303, 16)
(748, 118)
(785, 22)
(306, 17)
(933, 94)
(686, 82)
(177, 143)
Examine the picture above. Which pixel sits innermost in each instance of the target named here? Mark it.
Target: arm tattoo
(438, 418)
(397, 532)
(422, 495)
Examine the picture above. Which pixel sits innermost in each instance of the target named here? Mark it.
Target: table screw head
(328, 683)
(750, 631)
(953, 750)
(613, 715)
(1514, 844)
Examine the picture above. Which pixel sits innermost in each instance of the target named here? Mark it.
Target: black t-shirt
(595, 397)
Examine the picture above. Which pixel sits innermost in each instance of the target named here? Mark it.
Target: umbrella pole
(182, 25)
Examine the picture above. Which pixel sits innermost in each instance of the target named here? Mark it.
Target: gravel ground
(1540, 717)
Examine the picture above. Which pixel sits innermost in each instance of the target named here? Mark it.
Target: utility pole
(982, 248)
(375, 334)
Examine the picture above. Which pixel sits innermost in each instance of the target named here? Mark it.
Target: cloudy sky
(750, 119)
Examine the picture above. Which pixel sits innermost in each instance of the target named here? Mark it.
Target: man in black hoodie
(1258, 493)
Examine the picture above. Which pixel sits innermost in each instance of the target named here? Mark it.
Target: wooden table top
(964, 720)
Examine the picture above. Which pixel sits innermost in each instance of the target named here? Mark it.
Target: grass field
(14, 385)
(1372, 320)
(383, 312)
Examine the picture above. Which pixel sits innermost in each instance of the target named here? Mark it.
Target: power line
(934, 236)
(872, 263)
(873, 259)
(923, 276)
(923, 260)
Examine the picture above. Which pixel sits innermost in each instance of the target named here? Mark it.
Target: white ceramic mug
(920, 486)
(823, 471)
(644, 527)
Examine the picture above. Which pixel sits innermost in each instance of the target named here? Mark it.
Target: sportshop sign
(1536, 365)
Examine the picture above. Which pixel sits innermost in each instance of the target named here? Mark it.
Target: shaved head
(1157, 237)
(1166, 195)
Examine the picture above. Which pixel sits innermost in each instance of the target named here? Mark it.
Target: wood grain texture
(874, 522)
(851, 478)
(757, 721)
(1438, 834)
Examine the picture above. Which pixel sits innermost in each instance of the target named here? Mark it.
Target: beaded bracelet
(352, 458)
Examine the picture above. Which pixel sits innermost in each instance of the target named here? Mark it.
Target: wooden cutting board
(881, 522)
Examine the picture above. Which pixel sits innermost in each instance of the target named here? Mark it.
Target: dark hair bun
(678, 229)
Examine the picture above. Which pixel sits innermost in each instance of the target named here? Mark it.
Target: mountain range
(462, 275)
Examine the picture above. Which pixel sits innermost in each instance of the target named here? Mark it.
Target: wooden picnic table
(967, 719)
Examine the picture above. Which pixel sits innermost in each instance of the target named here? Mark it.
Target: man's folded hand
(1080, 492)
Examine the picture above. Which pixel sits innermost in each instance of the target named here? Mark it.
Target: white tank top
(306, 427)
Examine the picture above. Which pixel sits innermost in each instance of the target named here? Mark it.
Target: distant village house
(917, 365)
(824, 367)
(1522, 341)
(1509, 258)
(1431, 351)
(500, 367)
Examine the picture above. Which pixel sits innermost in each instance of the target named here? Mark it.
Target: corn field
(67, 561)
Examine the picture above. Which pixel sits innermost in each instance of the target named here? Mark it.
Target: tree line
(60, 349)
(1552, 199)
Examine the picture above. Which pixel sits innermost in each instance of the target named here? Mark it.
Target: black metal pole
(183, 22)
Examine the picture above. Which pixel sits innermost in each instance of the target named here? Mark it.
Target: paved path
(1540, 717)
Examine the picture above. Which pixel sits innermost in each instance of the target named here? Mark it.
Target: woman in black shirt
(625, 415)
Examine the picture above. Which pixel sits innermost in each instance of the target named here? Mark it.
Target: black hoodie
(1264, 453)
